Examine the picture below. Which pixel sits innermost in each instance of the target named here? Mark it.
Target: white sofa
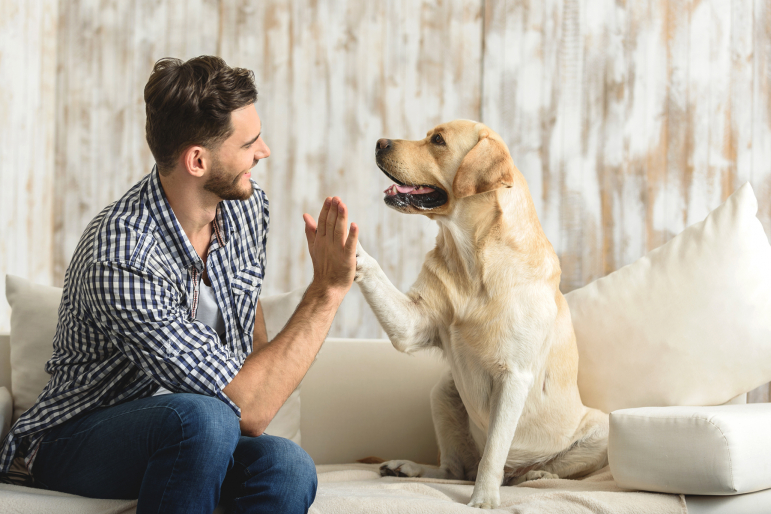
(660, 341)
(360, 398)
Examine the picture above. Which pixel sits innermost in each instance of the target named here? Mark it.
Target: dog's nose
(382, 144)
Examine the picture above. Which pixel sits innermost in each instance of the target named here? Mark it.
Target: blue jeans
(175, 453)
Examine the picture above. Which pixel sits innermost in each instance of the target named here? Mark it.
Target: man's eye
(437, 139)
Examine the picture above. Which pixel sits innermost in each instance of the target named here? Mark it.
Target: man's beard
(224, 185)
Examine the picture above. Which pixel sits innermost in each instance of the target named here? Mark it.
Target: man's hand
(273, 370)
(332, 248)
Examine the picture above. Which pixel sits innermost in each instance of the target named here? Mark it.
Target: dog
(508, 410)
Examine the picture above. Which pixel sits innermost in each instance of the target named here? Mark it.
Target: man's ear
(487, 166)
(192, 159)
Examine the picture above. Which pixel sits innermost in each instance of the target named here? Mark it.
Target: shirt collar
(181, 248)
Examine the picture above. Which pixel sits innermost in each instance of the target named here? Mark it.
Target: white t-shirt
(209, 314)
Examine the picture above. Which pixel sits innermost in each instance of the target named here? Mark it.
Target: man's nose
(262, 151)
(383, 145)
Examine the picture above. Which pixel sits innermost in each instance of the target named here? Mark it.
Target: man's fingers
(353, 239)
(310, 229)
(341, 225)
(331, 217)
(322, 226)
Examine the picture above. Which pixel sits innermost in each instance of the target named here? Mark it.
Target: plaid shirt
(127, 317)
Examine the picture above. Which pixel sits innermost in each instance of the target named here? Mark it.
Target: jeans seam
(113, 417)
(246, 468)
(176, 459)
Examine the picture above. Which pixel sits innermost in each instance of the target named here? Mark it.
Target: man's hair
(189, 103)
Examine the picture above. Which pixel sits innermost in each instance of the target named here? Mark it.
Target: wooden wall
(28, 32)
(629, 119)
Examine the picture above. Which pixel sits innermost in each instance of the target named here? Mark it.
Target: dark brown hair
(189, 103)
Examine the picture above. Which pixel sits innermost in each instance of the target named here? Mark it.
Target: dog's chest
(471, 377)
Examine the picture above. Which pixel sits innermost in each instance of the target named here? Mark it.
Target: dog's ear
(487, 166)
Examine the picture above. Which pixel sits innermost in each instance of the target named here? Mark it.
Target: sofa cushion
(687, 324)
(34, 314)
(692, 450)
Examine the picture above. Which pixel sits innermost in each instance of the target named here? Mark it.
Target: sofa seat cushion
(718, 450)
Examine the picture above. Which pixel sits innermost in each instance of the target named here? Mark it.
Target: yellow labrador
(488, 295)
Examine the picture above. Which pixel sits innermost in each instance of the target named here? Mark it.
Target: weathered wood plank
(761, 108)
(739, 145)
(27, 175)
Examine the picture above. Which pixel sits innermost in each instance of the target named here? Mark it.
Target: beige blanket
(359, 489)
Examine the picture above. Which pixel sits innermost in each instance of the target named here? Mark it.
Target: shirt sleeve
(143, 315)
(258, 221)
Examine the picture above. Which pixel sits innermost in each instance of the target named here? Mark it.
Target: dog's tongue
(408, 189)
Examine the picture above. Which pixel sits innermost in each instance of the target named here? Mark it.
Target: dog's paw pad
(400, 468)
(482, 504)
(538, 475)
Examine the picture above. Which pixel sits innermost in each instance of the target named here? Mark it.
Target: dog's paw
(534, 475)
(363, 263)
(401, 468)
(483, 499)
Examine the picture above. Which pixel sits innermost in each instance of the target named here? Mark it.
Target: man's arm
(272, 371)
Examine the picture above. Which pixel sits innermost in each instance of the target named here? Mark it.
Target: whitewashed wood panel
(27, 177)
(630, 120)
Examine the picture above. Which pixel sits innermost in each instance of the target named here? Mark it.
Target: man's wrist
(325, 293)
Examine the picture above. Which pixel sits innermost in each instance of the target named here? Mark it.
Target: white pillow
(34, 314)
(277, 310)
(6, 411)
(688, 324)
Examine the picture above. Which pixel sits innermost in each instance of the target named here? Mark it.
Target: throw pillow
(34, 311)
(277, 310)
(687, 324)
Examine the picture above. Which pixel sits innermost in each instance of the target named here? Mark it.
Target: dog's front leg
(404, 320)
(510, 390)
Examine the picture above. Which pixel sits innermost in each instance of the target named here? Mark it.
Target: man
(162, 296)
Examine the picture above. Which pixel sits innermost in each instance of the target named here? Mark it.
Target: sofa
(669, 345)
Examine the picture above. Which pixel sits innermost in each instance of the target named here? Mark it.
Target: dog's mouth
(419, 196)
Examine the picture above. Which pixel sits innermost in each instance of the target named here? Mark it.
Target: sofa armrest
(6, 411)
(720, 450)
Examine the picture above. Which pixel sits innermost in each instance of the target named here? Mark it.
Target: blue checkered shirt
(127, 320)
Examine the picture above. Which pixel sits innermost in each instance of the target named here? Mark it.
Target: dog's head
(454, 161)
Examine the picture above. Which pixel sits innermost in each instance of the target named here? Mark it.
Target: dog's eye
(438, 139)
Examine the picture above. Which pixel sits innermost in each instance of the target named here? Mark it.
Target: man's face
(237, 155)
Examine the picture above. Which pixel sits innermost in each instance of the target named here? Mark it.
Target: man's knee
(282, 460)
(296, 462)
(204, 424)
